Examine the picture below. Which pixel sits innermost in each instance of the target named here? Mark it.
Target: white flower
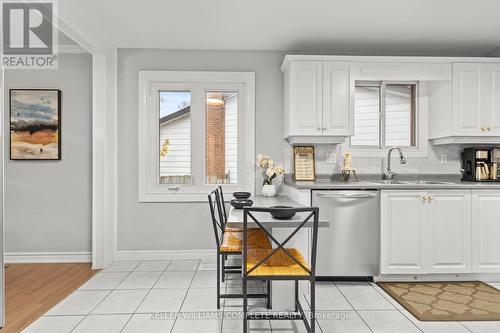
(270, 163)
(279, 170)
(270, 172)
(262, 161)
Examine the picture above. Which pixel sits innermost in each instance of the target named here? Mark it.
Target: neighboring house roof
(175, 115)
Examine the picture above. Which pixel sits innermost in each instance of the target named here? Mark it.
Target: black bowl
(239, 204)
(283, 213)
(241, 195)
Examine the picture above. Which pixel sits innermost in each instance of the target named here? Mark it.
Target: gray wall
(48, 203)
(184, 226)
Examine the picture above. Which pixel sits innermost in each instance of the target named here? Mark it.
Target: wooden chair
(226, 269)
(280, 263)
(228, 227)
(234, 240)
(231, 243)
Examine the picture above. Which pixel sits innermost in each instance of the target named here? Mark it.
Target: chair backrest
(222, 204)
(216, 215)
(309, 213)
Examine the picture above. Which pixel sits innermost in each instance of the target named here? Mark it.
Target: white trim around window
(150, 83)
(421, 135)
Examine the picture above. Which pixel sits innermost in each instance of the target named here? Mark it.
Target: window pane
(399, 115)
(175, 137)
(366, 116)
(221, 151)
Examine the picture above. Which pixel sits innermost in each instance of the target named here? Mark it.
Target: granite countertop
(327, 182)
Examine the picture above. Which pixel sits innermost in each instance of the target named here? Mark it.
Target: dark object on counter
(283, 212)
(239, 204)
(241, 195)
(481, 164)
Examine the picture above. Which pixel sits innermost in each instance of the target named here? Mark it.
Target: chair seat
(234, 227)
(278, 264)
(233, 241)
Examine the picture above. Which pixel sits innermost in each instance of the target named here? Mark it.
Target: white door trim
(2, 161)
(104, 208)
(104, 156)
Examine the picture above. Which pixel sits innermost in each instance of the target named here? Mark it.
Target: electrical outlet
(444, 158)
(331, 157)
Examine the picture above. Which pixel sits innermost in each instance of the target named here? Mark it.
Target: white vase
(269, 190)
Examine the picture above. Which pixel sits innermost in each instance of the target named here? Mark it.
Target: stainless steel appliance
(481, 164)
(350, 246)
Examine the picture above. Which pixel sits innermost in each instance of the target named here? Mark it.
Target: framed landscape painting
(35, 124)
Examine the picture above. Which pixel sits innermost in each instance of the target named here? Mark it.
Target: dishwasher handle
(348, 195)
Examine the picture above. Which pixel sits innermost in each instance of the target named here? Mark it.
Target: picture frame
(35, 124)
(304, 163)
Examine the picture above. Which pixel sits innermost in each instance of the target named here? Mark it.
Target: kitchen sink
(426, 182)
(387, 182)
(413, 182)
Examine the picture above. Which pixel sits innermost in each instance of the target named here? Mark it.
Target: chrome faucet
(389, 174)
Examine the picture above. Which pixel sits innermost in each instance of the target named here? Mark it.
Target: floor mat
(446, 301)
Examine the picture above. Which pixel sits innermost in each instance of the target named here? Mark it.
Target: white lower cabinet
(402, 232)
(486, 231)
(448, 231)
(425, 232)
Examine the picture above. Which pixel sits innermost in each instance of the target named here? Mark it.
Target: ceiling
(398, 27)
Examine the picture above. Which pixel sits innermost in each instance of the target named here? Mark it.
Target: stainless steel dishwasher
(350, 247)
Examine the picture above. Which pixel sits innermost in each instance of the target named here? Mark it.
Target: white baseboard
(207, 255)
(47, 257)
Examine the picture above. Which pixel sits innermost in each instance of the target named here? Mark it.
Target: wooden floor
(32, 289)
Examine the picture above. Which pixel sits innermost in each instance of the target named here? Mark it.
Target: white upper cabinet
(493, 103)
(467, 91)
(305, 98)
(317, 102)
(337, 99)
(472, 113)
(462, 94)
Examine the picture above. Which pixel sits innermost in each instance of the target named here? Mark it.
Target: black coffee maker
(481, 164)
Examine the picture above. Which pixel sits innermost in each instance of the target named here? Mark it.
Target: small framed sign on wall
(35, 124)
(303, 163)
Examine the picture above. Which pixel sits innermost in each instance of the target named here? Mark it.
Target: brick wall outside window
(215, 143)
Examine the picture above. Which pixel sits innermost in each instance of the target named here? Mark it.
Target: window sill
(173, 197)
(189, 194)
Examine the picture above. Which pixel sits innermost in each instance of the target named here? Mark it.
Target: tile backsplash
(431, 164)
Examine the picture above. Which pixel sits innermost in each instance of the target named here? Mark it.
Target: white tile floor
(123, 297)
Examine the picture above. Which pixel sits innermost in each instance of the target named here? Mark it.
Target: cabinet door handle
(430, 197)
(489, 128)
(425, 197)
(319, 128)
(483, 129)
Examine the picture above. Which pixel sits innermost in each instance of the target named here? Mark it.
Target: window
(384, 115)
(196, 129)
(175, 137)
(221, 137)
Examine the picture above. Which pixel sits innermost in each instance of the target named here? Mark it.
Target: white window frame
(150, 82)
(421, 130)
